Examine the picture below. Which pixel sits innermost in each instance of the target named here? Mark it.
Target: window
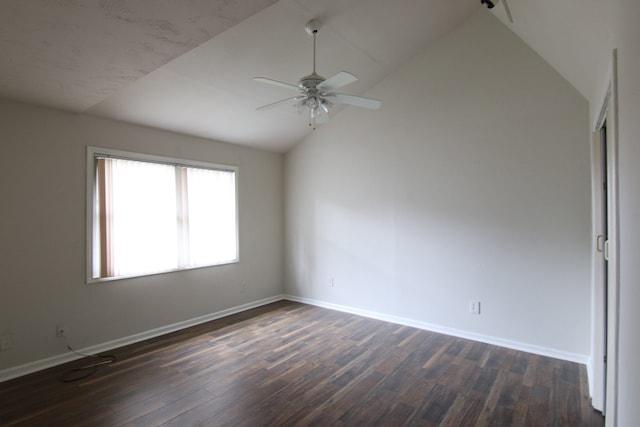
(150, 214)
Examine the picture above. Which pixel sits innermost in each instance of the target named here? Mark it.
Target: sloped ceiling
(571, 35)
(72, 54)
(188, 66)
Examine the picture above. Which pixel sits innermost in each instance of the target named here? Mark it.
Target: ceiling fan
(491, 4)
(317, 93)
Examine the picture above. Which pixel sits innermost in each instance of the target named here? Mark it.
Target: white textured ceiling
(187, 66)
(72, 54)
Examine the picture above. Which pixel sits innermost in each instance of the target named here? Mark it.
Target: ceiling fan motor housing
(310, 82)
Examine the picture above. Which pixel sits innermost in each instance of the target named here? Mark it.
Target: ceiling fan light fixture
(325, 105)
(312, 102)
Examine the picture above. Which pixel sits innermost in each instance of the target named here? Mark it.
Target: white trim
(606, 400)
(603, 111)
(38, 365)
(605, 95)
(596, 368)
(590, 378)
(515, 345)
(613, 282)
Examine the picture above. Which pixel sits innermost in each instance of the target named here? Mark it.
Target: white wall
(42, 235)
(471, 182)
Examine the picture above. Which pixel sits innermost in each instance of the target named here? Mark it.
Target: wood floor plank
(288, 364)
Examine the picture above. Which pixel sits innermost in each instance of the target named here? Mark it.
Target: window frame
(93, 152)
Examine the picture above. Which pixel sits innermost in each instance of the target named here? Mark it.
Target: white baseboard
(38, 365)
(590, 377)
(515, 345)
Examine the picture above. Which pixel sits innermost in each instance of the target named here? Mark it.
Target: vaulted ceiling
(188, 66)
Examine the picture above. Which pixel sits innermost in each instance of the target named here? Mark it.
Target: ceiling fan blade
(358, 101)
(506, 9)
(276, 83)
(290, 101)
(336, 81)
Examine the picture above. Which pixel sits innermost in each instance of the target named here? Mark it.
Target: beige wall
(42, 229)
(471, 182)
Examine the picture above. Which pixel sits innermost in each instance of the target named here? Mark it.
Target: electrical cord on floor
(86, 371)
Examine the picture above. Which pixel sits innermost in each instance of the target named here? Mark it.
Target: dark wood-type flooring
(290, 364)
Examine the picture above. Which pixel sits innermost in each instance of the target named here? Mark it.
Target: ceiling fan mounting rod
(314, 51)
(312, 28)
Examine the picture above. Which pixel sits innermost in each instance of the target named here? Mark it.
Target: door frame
(605, 342)
(598, 270)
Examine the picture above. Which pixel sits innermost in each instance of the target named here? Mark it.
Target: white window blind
(151, 216)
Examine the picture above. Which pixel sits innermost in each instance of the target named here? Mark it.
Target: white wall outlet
(474, 307)
(5, 342)
(61, 331)
(330, 282)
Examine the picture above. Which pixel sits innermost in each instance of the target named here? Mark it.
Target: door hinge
(605, 358)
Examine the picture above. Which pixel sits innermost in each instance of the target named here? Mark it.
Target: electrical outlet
(474, 307)
(5, 342)
(61, 331)
(330, 282)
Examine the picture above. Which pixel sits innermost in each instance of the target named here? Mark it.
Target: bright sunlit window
(150, 214)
